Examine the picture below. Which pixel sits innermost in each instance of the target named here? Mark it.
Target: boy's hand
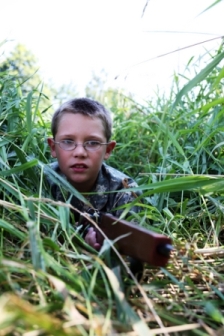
(91, 239)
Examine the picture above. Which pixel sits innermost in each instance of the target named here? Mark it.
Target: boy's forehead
(72, 120)
(79, 117)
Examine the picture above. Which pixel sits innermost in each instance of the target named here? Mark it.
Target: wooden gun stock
(138, 242)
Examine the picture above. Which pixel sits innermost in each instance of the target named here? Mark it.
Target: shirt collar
(98, 198)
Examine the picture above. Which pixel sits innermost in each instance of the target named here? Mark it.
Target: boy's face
(81, 167)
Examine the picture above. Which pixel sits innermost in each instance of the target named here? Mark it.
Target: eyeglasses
(90, 146)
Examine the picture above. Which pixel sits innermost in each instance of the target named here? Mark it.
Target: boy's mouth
(79, 167)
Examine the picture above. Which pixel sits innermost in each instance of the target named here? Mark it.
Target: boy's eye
(67, 144)
(92, 143)
(67, 141)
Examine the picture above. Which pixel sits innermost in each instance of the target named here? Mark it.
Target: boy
(81, 130)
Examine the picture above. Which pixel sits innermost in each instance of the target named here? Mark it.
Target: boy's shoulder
(115, 178)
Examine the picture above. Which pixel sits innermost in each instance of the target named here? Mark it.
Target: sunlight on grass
(53, 283)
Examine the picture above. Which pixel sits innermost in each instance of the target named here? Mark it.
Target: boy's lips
(79, 167)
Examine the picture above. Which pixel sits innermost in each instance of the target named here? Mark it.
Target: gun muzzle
(165, 250)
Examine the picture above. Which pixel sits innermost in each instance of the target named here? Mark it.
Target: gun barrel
(135, 241)
(165, 250)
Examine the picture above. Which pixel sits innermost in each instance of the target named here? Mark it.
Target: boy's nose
(79, 150)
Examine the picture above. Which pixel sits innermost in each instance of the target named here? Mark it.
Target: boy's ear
(109, 149)
(51, 144)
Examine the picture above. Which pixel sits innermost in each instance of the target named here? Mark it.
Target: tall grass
(52, 283)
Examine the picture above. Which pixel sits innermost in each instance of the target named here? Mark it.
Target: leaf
(36, 246)
(214, 312)
(59, 180)
(139, 326)
(29, 112)
(219, 77)
(12, 229)
(49, 243)
(209, 7)
(198, 78)
(180, 183)
(21, 155)
(20, 168)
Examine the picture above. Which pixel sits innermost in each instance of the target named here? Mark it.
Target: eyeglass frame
(83, 144)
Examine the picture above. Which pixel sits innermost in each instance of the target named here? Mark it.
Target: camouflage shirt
(109, 179)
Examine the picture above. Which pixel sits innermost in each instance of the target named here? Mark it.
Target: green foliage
(52, 282)
(23, 133)
(177, 134)
(21, 65)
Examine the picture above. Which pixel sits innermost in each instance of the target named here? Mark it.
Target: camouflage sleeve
(127, 197)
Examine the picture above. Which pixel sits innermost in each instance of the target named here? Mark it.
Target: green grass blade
(20, 168)
(29, 112)
(62, 182)
(198, 78)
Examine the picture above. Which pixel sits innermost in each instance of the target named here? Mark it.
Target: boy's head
(81, 130)
(86, 107)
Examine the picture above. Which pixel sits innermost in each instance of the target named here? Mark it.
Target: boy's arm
(126, 197)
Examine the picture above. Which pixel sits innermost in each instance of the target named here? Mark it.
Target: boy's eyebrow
(88, 136)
